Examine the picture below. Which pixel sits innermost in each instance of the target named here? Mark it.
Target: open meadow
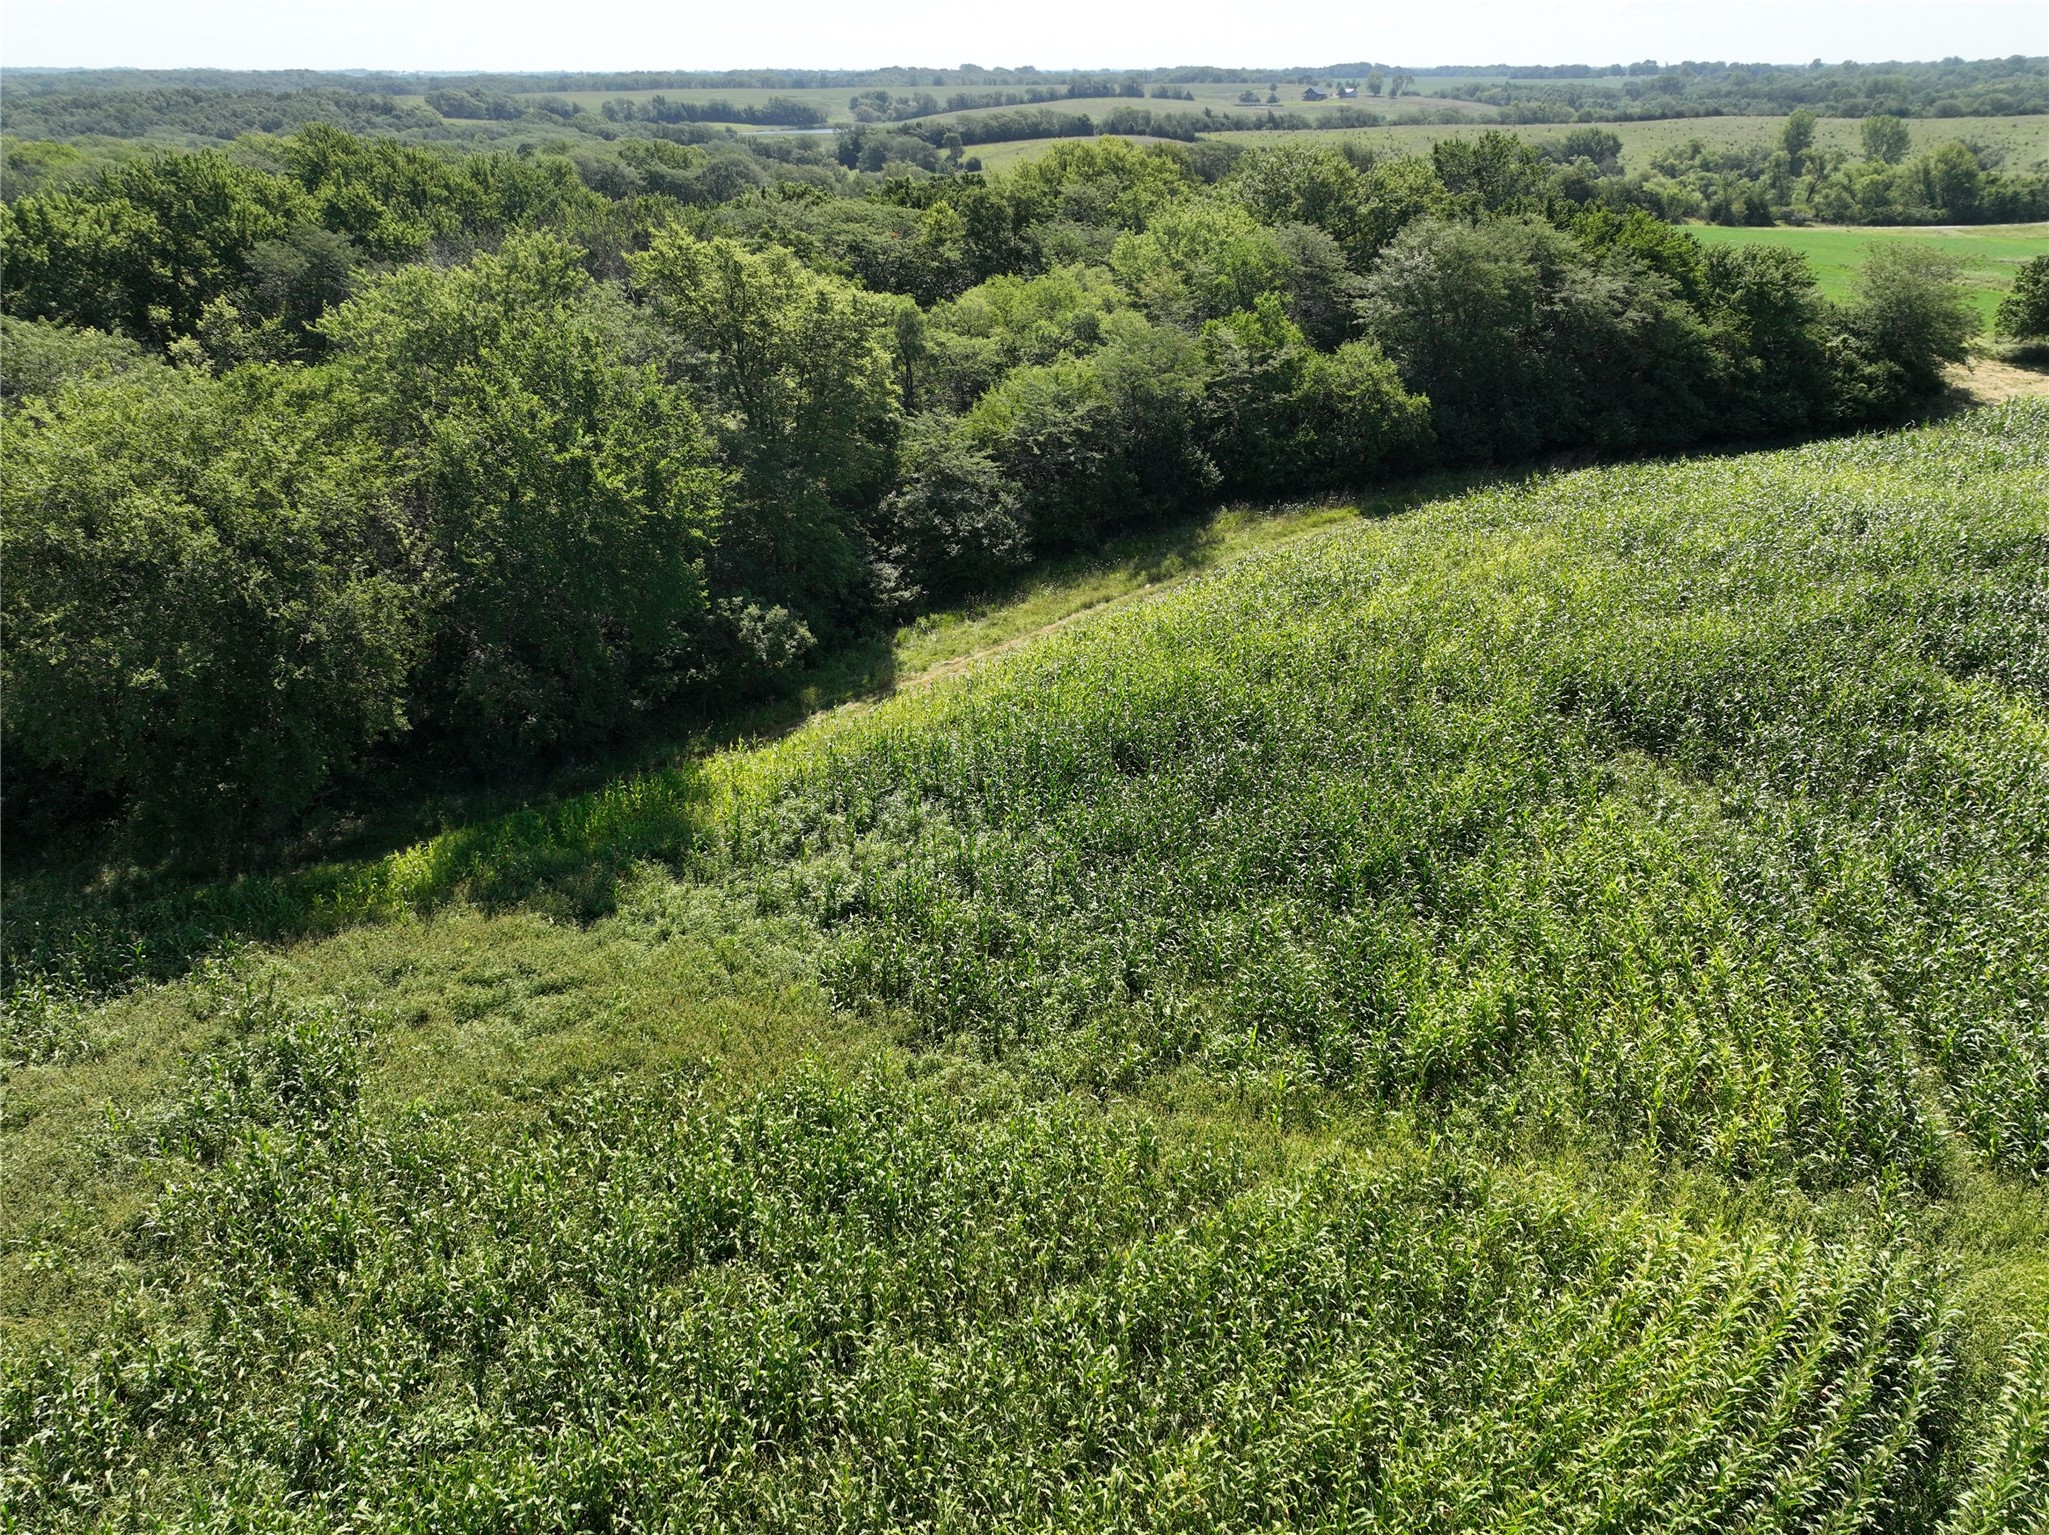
(1987, 255)
(1524, 1011)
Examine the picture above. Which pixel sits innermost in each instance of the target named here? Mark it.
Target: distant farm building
(1313, 94)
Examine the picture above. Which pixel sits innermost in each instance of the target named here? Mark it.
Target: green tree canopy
(212, 600)
(801, 370)
(569, 496)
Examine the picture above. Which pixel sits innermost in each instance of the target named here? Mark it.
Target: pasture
(1454, 1020)
(1987, 255)
(2023, 140)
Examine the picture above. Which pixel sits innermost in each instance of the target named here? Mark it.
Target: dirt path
(954, 665)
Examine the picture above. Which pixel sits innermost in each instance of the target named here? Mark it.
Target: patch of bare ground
(1988, 381)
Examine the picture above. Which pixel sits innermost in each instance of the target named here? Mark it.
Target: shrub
(2024, 312)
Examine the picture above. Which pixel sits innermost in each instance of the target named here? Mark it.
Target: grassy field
(1525, 1014)
(1988, 255)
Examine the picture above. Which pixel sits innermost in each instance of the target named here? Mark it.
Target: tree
(1886, 139)
(1360, 209)
(568, 497)
(1493, 174)
(1375, 80)
(954, 524)
(801, 369)
(1953, 179)
(1286, 419)
(1009, 322)
(1103, 183)
(1599, 145)
(213, 600)
(1400, 82)
(146, 247)
(1198, 260)
(1101, 441)
(39, 359)
(1797, 137)
(1912, 312)
(2024, 312)
(1522, 341)
(1764, 314)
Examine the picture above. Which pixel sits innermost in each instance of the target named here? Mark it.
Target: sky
(1052, 34)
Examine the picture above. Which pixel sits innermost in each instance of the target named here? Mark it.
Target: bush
(213, 604)
(2024, 312)
(954, 524)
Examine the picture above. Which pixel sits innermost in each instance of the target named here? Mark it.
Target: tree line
(1950, 88)
(1795, 180)
(781, 111)
(378, 452)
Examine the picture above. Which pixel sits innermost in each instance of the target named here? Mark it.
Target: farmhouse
(1313, 94)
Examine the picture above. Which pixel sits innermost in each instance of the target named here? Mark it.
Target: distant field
(1989, 253)
(2024, 140)
(833, 100)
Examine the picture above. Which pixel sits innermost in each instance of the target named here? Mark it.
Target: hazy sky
(1053, 34)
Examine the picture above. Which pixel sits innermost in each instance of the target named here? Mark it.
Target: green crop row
(879, 1305)
(1704, 804)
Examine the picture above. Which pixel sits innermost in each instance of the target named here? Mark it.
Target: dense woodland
(352, 448)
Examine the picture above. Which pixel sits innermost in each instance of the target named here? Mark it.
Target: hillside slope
(1532, 1014)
